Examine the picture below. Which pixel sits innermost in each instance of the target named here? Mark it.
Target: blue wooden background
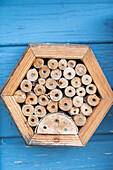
(60, 21)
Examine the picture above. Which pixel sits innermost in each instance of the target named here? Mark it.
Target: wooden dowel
(39, 90)
(38, 63)
(69, 73)
(41, 81)
(86, 109)
(80, 120)
(52, 107)
(26, 85)
(76, 82)
(81, 91)
(56, 95)
(44, 72)
(43, 100)
(62, 64)
(33, 120)
(93, 100)
(65, 104)
(20, 96)
(56, 74)
(51, 84)
(70, 91)
(78, 101)
(32, 74)
(71, 63)
(53, 64)
(27, 109)
(80, 69)
(74, 111)
(86, 79)
(40, 111)
(62, 83)
(91, 89)
(31, 99)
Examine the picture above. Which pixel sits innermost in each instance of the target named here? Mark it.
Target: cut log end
(62, 83)
(51, 84)
(62, 64)
(20, 96)
(43, 100)
(69, 73)
(76, 82)
(56, 74)
(81, 91)
(39, 90)
(33, 120)
(80, 120)
(40, 111)
(86, 109)
(86, 79)
(53, 64)
(44, 72)
(38, 63)
(78, 101)
(26, 85)
(74, 111)
(32, 74)
(91, 89)
(70, 91)
(52, 107)
(93, 100)
(31, 99)
(56, 95)
(80, 69)
(27, 109)
(71, 63)
(65, 104)
(41, 81)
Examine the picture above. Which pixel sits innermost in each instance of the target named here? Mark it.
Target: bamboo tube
(81, 91)
(86, 109)
(32, 74)
(56, 95)
(62, 83)
(74, 111)
(86, 79)
(53, 64)
(43, 100)
(31, 99)
(76, 82)
(80, 69)
(26, 85)
(78, 101)
(71, 63)
(70, 91)
(33, 120)
(51, 84)
(65, 104)
(40, 111)
(38, 63)
(27, 109)
(52, 107)
(80, 120)
(93, 100)
(62, 64)
(56, 74)
(20, 96)
(69, 73)
(44, 72)
(91, 89)
(39, 90)
(41, 81)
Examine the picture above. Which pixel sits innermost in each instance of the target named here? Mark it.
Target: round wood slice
(93, 100)
(43, 100)
(41, 81)
(56, 95)
(52, 107)
(80, 120)
(39, 90)
(27, 109)
(44, 72)
(52, 64)
(76, 82)
(51, 84)
(71, 63)
(31, 99)
(38, 63)
(56, 74)
(65, 104)
(86, 79)
(69, 73)
(32, 74)
(91, 89)
(62, 64)
(81, 91)
(74, 111)
(86, 109)
(80, 69)
(70, 91)
(40, 111)
(57, 123)
(33, 120)
(20, 96)
(62, 83)
(26, 85)
(78, 101)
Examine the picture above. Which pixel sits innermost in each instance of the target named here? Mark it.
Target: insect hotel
(57, 94)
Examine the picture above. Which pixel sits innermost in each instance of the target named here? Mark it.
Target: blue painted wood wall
(61, 21)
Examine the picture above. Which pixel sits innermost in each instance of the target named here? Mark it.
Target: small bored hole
(43, 99)
(27, 110)
(26, 85)
(51, 84)
(32, 75)
(65, 104)
(39, 110)
(56, 120)
(94, 100)
(86, 110)
(62, 65)
(65, 129)
(45, 127)
(80, 91)
(31, 99)
(76, 82)
(53, 106)
(32, 120)
(39, 90)
(90, 88)
(57, 95)
(70, 91)
(69, 74)
(52, 64)
(44, 71)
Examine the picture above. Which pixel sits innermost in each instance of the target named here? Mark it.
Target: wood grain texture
(94, 120)
(56, 140)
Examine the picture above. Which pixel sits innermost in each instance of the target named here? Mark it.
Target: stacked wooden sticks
(60, 85)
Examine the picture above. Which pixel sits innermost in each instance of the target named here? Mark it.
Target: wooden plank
(97, 154)
(56, 140)
(19, 119)
(79, 22)
(95, 119)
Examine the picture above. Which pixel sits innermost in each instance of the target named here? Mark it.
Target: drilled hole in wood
(45, 127)
(65, 104)
(56, 120)
(56, 95)
(32, 120)
(32, 75)
(65, 129)
(31, 99)
(69, 74)
(44, 71)
(94, 100)
(53, 106)
(27, 110)
(39, 111)
(26, 85)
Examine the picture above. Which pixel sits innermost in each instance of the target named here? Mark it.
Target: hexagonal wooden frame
(67, 51)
